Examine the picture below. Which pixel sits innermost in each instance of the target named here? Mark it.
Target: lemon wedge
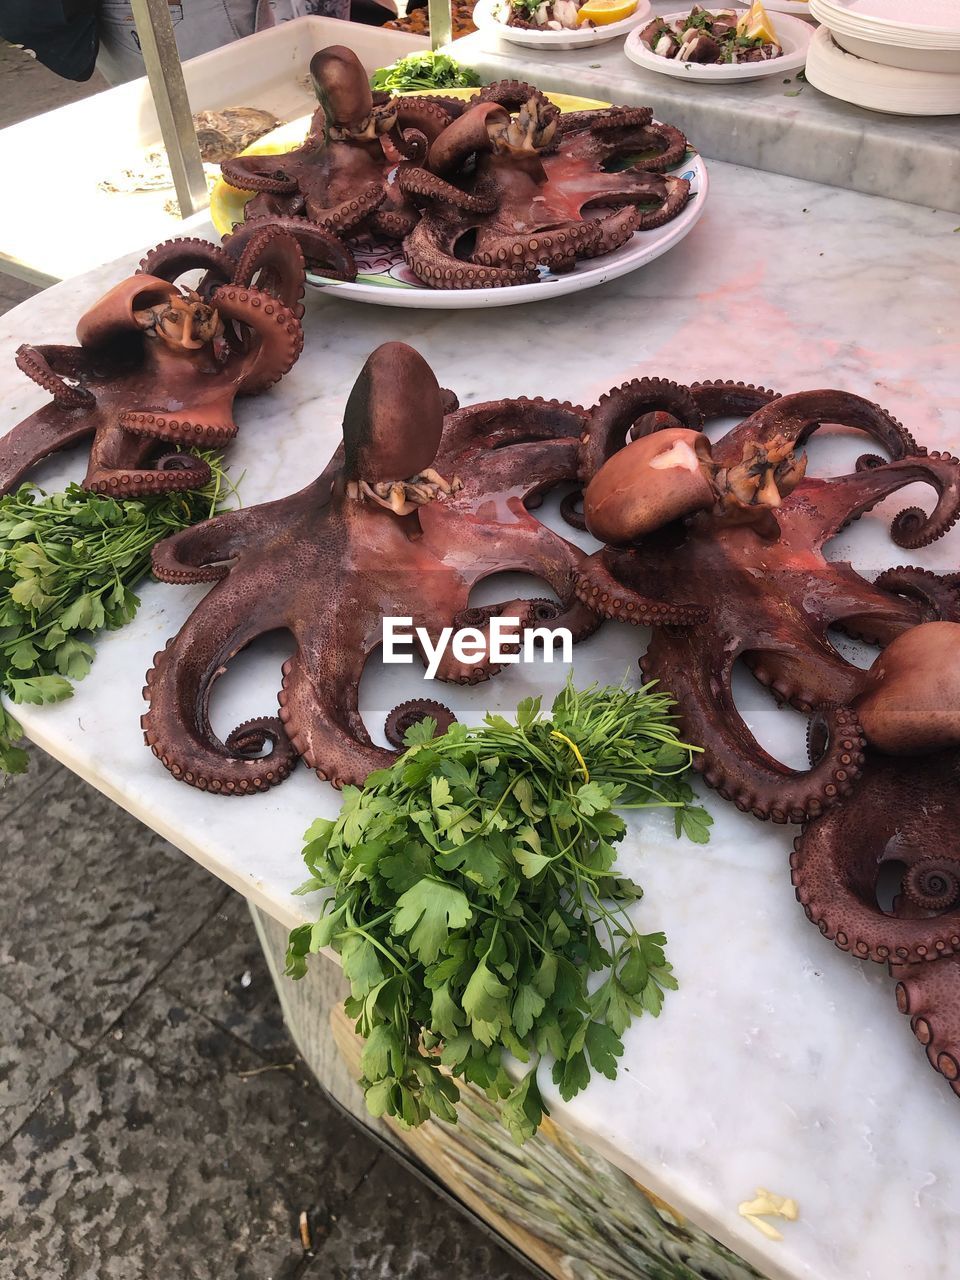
(603, 12)
(756, 25)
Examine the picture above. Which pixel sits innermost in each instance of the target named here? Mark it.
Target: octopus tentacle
(259, 173)
(174, 258)
(204, 552)
(605, 595)
(393, 224)
(173, 473)
(733, 762)
(603, 118)
(34, 363)
(611, 231)
(556, 249)
(176, 726)
(322, 250)
(209, 424)
(672, 147)
(414, 181)
(276, 258)
(837, 861)
(938, 595)
(321, 720)
(929, 995)
(512, 94)
(830, 505)
(45, 432)
(494, 424)
(429, 256)
(718, 398)
(407, 714)
(278, 329)
(619, 409)
(796, 417)
(346, 216)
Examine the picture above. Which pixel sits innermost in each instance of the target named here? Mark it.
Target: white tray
(67, 152)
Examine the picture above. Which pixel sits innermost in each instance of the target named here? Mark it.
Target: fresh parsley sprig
(68, 565)
(474, 891)
(424, 71)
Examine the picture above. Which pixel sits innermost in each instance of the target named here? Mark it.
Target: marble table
(780, 123)
(780, 1062)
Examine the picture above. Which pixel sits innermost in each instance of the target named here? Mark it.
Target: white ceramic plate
(799, 8)
(385, 280)
(840, 16)
(879, 88)
(582, 38)
(793, 33)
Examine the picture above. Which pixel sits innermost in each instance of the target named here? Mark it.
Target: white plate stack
(899, 56)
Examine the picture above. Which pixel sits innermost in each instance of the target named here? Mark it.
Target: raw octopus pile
(717, 547)
(480, 193)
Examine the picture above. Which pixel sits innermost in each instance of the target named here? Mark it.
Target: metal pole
(159, 48)
(441, 22)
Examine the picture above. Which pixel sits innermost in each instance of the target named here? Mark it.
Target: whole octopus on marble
(479, 193)
(158, 366)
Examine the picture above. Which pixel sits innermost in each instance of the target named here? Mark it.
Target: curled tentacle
(907, 813)
(209, 424)
(571, 508)
(670, 144)
(796, 417)
(913, 528)
(407, 714)
(733, 762)
(275, 258)
(322, 250)
(610, 232)
(278, 329)
(929, 995)
(393, 224)
(174, 258)
(177, 730)
(33, 362)
(557, 249)
(618, 410)
(428, 252)
(347, 216)
(938, 594)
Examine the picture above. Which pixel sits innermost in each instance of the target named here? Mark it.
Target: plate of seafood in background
(560, 24)
(720, 44)
(384, 277)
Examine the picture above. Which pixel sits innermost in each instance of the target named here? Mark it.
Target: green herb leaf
(428, 911)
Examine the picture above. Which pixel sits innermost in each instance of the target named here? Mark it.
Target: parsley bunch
(424, 71)
(474, 892)
(68, 565)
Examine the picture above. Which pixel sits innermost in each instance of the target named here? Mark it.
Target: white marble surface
(789, 128)
(780, 1062)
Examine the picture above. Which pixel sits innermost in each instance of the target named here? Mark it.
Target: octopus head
(910, 704)
(392, 427)
(649, 483)
(344, 93)
(670, 473)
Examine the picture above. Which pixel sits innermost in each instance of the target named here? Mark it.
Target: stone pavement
(155, 1120)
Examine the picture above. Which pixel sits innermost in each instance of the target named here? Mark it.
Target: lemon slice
(756, 25)
(603, 12)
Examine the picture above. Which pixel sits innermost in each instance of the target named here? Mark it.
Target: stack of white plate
(900, 56)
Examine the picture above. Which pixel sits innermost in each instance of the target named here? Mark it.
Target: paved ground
(155, 1120)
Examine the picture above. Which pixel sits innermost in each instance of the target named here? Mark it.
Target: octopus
(422, 501)
(158, 366)
(720, 549)
(479, 194)
(902, 830)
